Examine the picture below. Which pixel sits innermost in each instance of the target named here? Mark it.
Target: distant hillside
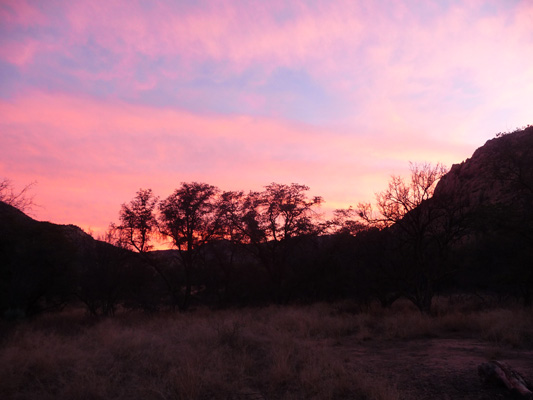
(44, 265)
(19, 225)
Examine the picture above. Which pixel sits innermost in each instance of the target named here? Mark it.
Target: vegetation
(423, 231)
(276, 302)
(289, 352)
(468, 230)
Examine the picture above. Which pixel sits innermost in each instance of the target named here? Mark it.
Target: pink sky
(101, 98)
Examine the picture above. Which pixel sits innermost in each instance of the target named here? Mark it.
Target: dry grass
(269, 353)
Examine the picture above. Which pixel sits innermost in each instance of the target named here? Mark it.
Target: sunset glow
(101, 98)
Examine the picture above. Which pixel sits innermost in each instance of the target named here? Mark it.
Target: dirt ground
(437, 368)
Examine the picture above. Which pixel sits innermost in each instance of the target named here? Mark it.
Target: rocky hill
(498, 173)
(494, 189)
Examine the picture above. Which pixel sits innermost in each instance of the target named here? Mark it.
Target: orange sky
(99, 98)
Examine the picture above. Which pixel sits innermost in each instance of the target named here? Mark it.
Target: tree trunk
(500, 373)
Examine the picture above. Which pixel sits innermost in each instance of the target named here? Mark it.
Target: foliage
(189, 217)
(138, 221)
(321, 352)
(272, 224)
(345, 221)
(516, 130)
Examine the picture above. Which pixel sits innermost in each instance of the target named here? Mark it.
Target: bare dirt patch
(435, 368)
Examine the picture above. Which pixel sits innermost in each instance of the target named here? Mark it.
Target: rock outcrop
(498, 173)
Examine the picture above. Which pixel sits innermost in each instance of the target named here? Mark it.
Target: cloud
(357, 54)
(106, 97)
(20, 13)
(19, 54)
(91, 155)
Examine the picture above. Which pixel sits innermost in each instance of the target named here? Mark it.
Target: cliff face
(498, 173)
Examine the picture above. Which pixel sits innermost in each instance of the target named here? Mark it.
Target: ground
(437, 368)
(321, 351)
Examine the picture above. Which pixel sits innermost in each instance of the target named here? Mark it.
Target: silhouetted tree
(224, 269)
(402, 199)
(102, 278)
(18, 199)
(345, 221)
(189, 217)
(271, 224)
(422, 230)
(138, 221)
(138, 225)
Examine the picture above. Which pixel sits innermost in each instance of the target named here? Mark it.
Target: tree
(138, 221)
(18, 199)
(423, 229)
(285, 211)
(102, 277)
(270, 224)
(189, 218)
(138, 225)
(345, 222)
(402, 199)
(227, 263)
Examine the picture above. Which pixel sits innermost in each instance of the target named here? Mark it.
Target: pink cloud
(92, 155)
(313, 37)
(20, 13)
(238, 36)
(415, 85)
(18, 53)
(360, 51)
(16, 14)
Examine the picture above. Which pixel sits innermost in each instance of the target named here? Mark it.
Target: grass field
(292, 352)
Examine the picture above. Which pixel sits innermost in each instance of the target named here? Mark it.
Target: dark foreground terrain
(299, 352)
(438, 368)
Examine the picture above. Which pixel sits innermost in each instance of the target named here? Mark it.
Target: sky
(101, 98)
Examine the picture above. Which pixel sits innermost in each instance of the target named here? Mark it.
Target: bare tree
(18, 199)
(402, 198)
(113, 235)
(422, 230)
